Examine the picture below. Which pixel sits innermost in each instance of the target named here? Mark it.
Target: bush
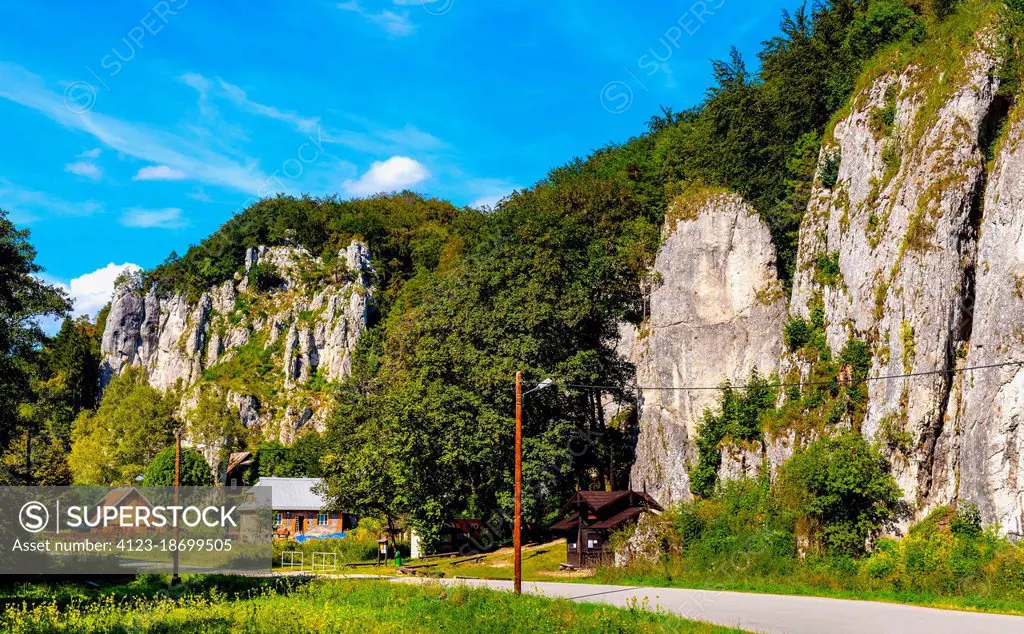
(740, 415)
(797, 333)
(829, 172)
(843, 490)
(195, 471)
(966, 522)
(826, 269)
(265, 277)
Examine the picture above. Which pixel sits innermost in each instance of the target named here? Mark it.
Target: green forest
(421, 429)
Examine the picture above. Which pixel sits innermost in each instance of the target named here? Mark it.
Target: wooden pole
(517, 536)
(175, 579)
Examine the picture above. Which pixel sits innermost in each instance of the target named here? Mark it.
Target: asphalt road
(775, 613)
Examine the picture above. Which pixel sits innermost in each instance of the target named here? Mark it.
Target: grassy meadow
(212, 604)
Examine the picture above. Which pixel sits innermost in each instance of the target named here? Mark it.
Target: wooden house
(123, 497)
(300, 510)
(590, 517)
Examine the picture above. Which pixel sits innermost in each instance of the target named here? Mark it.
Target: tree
(300, 460)
(52, 468)
(195, 471)
(212, 424)
(24, 298)
(843, 492)
(133, 423)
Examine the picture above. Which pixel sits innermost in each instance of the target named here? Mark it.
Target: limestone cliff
(901, 224)
(913, 242)
(716, 311)
(989, 431)
(269, 350)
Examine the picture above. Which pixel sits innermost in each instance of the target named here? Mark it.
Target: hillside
(844, 213)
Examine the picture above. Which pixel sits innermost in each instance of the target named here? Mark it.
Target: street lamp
(517, 531)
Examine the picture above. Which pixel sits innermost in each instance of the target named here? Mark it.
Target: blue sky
(136, 128)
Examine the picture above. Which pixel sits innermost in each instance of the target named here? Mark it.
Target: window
(572, 545)
(321, 518)
(277, 519)
(591, 543)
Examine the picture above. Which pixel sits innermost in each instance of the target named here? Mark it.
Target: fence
(323, 565)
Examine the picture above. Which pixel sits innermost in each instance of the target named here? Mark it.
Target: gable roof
(597, 500)
(601, 510)
(117, 495)
(293, 494)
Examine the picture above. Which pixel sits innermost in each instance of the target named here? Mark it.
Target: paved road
(775, 613)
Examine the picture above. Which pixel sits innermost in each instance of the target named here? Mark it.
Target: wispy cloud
(397, 24)
(27, 205)
(159, 173)
(241, 99)
(90, 154)
(84, 169)
(194, 159)
(396, 173)
(169, 218)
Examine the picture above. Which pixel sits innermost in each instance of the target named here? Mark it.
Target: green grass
(752, 570)
(333, 606)
(809, 583)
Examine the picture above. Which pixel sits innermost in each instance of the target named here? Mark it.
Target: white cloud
(84, 169)
(195, 159)
(90, 154)
(398, 172)
(169, 218)
(90, 292)
(159, 173)
(27, 206)
(397, 24)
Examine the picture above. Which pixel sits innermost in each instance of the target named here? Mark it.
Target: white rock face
(320, 321)
(717, 314)
(991, 461)
(901, 224)
(929, 248)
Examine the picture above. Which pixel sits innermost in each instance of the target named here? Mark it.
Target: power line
(837, 380)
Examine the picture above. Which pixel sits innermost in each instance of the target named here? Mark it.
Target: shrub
(842, 489)
(264, 276)
(740, 415)
(797, 333)
(829, 171)
(966, 522)
(826, 269)
(195, 471)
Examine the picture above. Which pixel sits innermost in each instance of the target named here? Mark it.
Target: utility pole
(175, 579)
(28, 457)
(517, 536)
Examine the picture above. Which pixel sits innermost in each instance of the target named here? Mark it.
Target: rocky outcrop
(287, 310)
(899, 225)
(716, 313)
(913, 242)
(990, 430)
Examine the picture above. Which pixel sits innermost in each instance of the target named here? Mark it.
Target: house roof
(597, 500)
(293, 494)
(600, 504)
(117, 495)
(621, 518)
